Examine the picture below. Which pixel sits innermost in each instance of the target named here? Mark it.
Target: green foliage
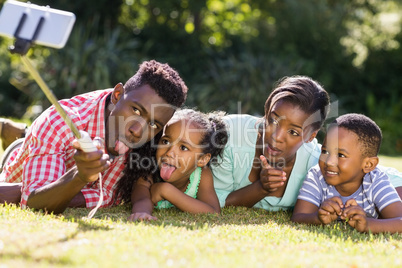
(231, 51)
(245, 77)
(88, 62)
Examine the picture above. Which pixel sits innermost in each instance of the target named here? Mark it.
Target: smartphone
(54, 32)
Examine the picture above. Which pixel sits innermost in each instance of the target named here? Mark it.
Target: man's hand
(141, 216)
(271, 178)
(90, 164)
(355, 216)
(330, 209)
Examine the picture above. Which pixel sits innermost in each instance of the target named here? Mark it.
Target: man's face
(135, 118)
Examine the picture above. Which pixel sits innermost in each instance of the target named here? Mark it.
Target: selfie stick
(21, 47)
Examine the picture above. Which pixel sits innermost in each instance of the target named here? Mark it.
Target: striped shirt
(375, 193)
(47, 152)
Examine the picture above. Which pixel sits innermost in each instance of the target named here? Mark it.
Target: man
(54, 171)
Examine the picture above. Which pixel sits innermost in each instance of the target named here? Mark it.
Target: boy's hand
(271, 178)
(330, 209)
(355, 216)
(141, 216)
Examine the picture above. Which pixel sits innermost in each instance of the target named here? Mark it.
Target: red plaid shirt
(47, 152)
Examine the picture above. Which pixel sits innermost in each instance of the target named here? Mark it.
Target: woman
(266, 160)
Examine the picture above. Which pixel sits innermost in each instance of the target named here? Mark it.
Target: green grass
(240, 237)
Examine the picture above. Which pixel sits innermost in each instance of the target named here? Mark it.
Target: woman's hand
(271, 178)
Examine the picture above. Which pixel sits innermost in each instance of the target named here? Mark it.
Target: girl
(190, 141)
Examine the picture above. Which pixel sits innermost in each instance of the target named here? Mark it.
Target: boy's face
(135, 118)
(341, 161)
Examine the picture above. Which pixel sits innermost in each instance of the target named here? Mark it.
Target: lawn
(239, 237)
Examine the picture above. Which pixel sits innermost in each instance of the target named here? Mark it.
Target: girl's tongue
(120, 147)
(166, 171)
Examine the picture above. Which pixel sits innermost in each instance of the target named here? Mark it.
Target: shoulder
(242, 130)
(88, 98)
(315, 174)
(376, 176)
(240, 120)
(205, 173)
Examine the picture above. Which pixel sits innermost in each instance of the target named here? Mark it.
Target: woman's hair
(141, 162)
(305, 93)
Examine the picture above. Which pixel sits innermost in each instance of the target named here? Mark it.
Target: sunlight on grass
(240, 237)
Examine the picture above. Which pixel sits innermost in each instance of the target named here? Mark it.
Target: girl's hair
(141, 162)
(305, 93)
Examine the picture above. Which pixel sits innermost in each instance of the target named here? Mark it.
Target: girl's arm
(207, 201)
(206, 190)
(141, 200)
(391, 218)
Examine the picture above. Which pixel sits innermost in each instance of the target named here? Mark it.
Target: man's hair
(304, 92)
(166, 82)
(368, 132)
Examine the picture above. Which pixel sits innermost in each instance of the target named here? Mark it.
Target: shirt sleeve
(311, 190)
(384, 193)
(40, 171)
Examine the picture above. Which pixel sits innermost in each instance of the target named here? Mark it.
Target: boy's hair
(166, 82)
(368, 132)
(303, 92)
(215, 135)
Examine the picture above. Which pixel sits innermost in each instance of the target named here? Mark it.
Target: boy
(53, 170)
(347, 184)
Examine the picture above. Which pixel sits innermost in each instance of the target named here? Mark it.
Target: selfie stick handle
(83, 137)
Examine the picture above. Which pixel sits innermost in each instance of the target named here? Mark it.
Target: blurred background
(229, 52)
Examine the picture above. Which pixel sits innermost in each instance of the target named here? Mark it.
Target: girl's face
(285, 132)
(179, 151)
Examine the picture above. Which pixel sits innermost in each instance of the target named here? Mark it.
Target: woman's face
(285, 132)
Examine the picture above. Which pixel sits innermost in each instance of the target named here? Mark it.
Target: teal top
(192, 189)
(232, 171)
